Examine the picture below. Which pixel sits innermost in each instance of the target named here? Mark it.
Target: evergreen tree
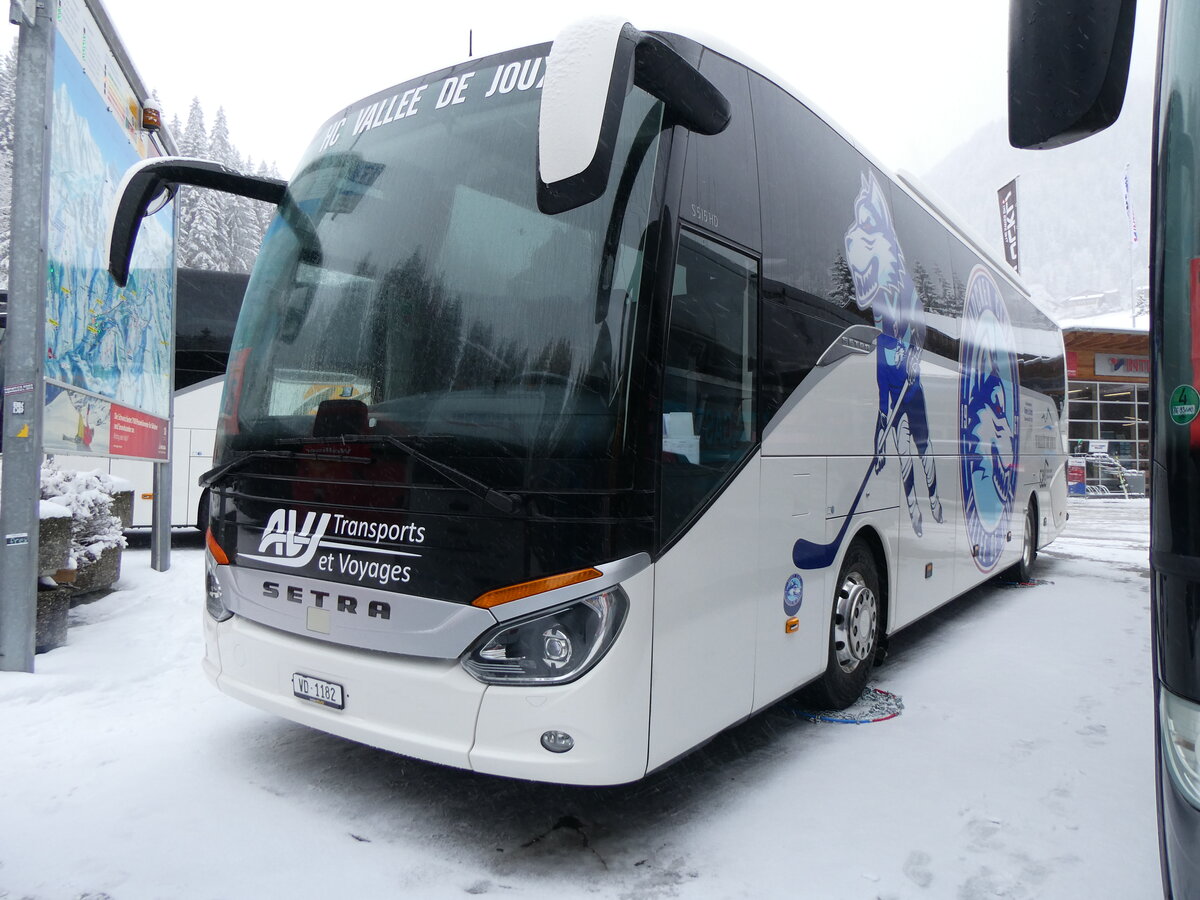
(193, 140)
(943, 295)
(923, 285)
(233, 230)
(216, 231)
(197, 210)
(263, 212)
(841, 282)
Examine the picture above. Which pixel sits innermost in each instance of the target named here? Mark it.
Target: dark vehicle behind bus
(1068, 65)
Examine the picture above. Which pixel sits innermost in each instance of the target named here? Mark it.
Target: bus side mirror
(588, 73)
(150, 184)
(1068, 63)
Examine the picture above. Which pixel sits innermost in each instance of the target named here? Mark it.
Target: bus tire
(1022, 569)
(853, 631)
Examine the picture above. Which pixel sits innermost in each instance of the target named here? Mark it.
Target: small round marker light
(557, 741)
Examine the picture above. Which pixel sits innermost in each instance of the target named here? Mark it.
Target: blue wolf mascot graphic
(882, 283)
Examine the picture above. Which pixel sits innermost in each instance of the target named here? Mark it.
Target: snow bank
(87, 498)
(48, 509)
(1022, 766)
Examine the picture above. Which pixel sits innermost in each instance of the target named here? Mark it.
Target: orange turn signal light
(215, 549)
(529, 588)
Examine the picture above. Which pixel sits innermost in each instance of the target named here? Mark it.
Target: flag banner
(1133, 234)
(1008, 223)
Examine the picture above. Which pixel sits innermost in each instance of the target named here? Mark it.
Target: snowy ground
(1022, 767)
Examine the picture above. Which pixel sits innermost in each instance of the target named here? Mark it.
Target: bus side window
(708, 393)
(720, 180)
(793, 338)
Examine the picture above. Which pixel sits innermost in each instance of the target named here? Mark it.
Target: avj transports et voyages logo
(990, 425)
(340, 545)
(288, 542)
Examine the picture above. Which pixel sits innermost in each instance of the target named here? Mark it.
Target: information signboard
(108, 349)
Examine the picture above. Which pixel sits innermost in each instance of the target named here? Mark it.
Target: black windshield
(410, 274)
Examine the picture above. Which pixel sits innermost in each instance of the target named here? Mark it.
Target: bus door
(706, 582)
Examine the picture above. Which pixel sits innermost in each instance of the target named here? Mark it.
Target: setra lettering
(376, 609)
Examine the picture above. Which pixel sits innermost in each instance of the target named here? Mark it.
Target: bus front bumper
(432, 709)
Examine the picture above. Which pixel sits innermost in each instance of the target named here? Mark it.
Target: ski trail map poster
(108, 349)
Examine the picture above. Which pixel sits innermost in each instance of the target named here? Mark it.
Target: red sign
(1128, 366)
(135, 433)
(1072, 364)
(1076, 476)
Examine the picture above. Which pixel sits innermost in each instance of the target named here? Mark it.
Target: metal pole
(1133, 247)
(163, 482)
(24, 343)
(160, 512)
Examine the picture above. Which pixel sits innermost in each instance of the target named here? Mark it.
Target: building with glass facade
(1108, 374)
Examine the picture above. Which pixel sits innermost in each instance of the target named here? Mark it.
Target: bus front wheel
(853, 632)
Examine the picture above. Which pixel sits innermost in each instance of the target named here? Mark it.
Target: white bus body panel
(793, 500)
(412, 705)
(926, 575)
(1052, 506)
(433, 709)
(606, 712)
(706, 589)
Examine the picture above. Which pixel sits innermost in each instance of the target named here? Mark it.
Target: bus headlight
(552, 647)
(1180, 725)
(214, 594)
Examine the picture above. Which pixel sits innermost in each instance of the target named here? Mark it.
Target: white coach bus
(590, 397)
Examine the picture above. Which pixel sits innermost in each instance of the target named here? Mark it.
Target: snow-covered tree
(218, 231)
(263, 212)
(234, 223)
(197, 243)
(193, 141)
(841, 282)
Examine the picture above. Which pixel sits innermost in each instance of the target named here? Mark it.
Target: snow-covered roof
(1121, 322)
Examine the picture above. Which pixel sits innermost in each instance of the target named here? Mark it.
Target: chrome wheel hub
(855, 620)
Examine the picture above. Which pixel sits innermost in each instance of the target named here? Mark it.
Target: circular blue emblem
(793, 595)
(989, 397)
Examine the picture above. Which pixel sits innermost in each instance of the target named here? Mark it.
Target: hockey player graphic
(882, 282)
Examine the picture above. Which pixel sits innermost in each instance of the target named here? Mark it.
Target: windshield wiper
(215, 474)
(501, 500)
